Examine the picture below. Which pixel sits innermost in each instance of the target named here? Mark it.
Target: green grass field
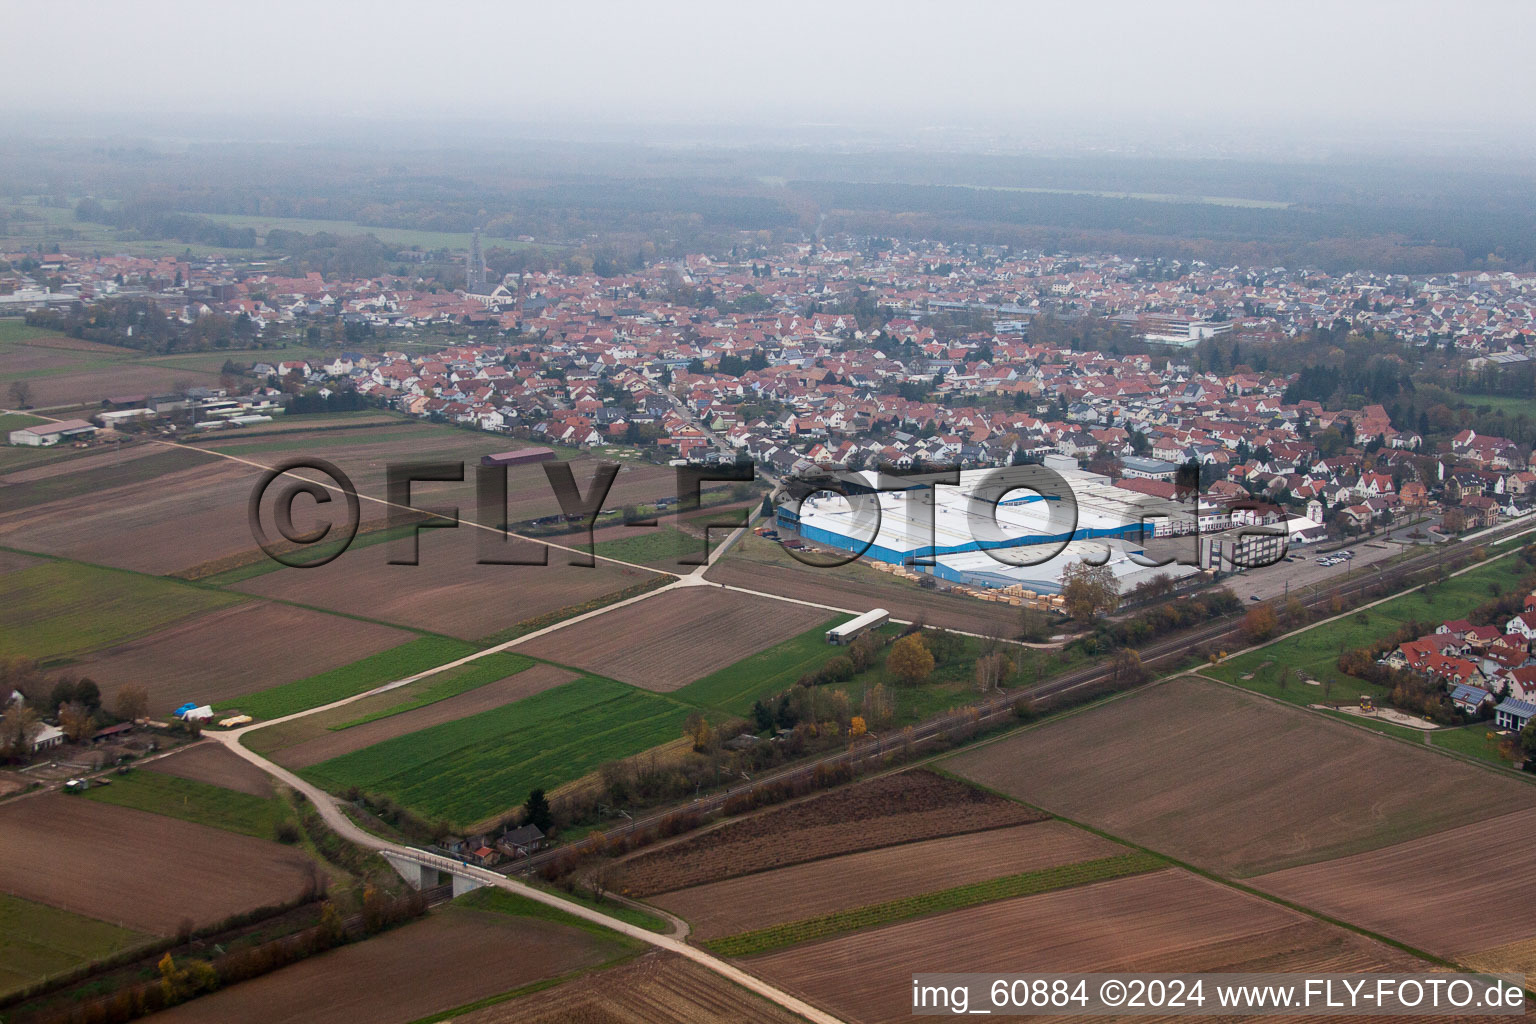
(1477, 740)
(467, 770)
(194, 801)
(15, 421)
(448, 684)
(64, 609)
(1510, 405)
(37, 941)
(349, 680)
(1028, 883)
(1316, 651)
(13, 329)
(660, 547)
(500, 901)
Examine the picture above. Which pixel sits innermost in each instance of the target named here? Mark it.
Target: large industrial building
(947, 530)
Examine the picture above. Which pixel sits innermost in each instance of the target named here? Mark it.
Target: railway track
(988, 709)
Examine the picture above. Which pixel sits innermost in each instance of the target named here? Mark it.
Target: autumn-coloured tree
(1126, 668)
(18, 727)
(696, 730)
(992, 671)
(1260, 623)
(132, 703)
(856, 727)
(1454, 521)
(75, 720)
(910, 660)
(1089, 591)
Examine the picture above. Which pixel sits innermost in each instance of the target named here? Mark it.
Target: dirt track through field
(860, 879)
(672, 639)
(141, 870)
(526, 683)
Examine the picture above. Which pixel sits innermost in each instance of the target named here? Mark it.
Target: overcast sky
(1220, 64)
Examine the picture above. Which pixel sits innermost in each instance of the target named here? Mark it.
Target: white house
(48, 737)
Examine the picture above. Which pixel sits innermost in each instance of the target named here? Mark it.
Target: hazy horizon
(1391, 75)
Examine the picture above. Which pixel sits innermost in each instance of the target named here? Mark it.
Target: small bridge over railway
(420, 870)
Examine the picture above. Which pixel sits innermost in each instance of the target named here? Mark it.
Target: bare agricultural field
(483, 698)
(447, 592)
(452, 958)
(668, 641)
(166, 509)
(859, 879)
(1426, 893)
(858, 588)
(1234, 782)
(143, 871)
(104, 455)
(12, 561)
(216, 765)
(657, 987)
(233, 651)
(101, 376)
(886, 811)
(1166, 921)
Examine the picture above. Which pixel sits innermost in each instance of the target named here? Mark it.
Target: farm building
(48, 737)
(523, 840)
(519, 457)
(947, 531)
(872, 619)
(45, 435)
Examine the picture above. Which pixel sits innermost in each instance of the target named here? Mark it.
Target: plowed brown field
(216, 765)
(448, 592)
(1166, 921)
(859, 879)
(143, 871)
(659, 988)
(233, 651)
(1231, 781)
(670, 640)
(403, 975)
(893, 809)
(1427, 892)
